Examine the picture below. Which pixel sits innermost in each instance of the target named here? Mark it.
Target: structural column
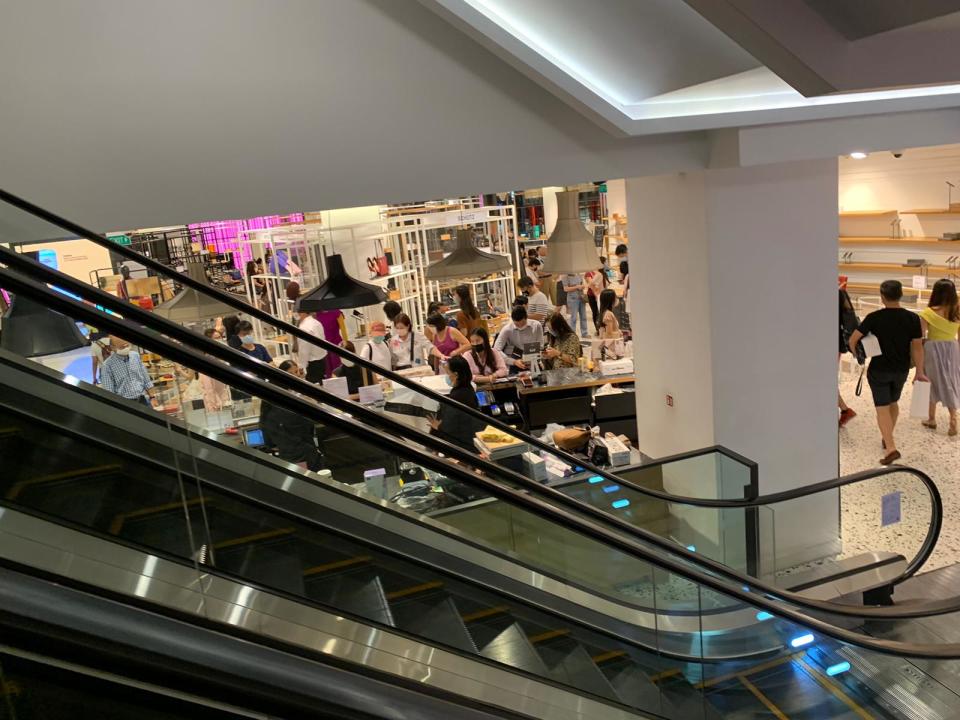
(733, 304)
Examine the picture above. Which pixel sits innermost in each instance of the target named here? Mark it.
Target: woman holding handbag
(940, 321)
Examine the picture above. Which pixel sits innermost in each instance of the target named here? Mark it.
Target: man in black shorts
(900, 336)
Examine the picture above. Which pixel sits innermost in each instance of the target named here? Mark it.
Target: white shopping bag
(920, 402)
(871, 345)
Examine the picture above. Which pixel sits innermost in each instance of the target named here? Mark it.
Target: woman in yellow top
(941, 324)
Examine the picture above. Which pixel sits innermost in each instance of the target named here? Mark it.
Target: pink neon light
(225, 234)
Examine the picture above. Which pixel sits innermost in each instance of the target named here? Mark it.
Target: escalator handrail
(752, 593)
(33, 268)
(223, 352)
(244, 307)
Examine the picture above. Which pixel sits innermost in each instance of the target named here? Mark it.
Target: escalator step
(608, 656)
(337, 565)
(359, 592)
(434, 617)
(507, 643)
(485, 614)
(632, 686)
(415, 590)
(254, 538)
(68, 475)
(547, 636)
(276, 566)
(116, 525)
(570, 664)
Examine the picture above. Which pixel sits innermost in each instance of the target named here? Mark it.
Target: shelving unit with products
(295, 253)
(874, 246)
(422, 238)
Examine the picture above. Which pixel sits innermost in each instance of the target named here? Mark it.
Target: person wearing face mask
(516, 335)
(486, 364)
(249, 345)
(377, 350)
(451, 424)
(352, 372)
(407, 346)
(539, 306)
(123, 373)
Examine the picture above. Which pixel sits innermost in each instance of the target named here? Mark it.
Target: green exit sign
(119, 239)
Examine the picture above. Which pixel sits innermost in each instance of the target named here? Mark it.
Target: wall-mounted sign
(119, 239)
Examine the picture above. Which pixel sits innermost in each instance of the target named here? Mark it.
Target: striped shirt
(125, 376)
(539, 304)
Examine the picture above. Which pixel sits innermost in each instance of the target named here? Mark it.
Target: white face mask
(123, 351)
(248, 340)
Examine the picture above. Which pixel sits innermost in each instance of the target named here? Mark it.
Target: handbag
(378, 264)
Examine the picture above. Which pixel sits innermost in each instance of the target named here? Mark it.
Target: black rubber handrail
(735, 585)
(174, 330)
(244, 307)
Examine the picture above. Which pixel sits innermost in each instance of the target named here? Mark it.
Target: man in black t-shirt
(901, 339)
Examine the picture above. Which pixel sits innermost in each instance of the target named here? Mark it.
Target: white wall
(133, 113)
(670, 312)
(733, 288)
(773, 252)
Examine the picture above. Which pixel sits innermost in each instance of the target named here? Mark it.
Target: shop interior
(349, 266)
(899, 220)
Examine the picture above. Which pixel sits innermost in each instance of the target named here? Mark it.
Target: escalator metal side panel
(359, 515)
(569, 663)
(65, 552)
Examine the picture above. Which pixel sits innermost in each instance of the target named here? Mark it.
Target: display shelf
(924, 241)
(874, 288)
(892, 267)
(868, 213)
(935, 211)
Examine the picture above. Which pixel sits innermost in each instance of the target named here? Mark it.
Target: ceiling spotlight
(858, 155)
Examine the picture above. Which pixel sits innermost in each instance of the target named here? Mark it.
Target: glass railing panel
(890, 514)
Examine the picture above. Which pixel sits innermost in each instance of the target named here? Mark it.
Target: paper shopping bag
(920, 402)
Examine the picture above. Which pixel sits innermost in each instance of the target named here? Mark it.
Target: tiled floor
(928, 450)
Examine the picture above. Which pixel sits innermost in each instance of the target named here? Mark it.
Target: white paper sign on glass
(919, 282)
(370, 394)
(871, 345)
(920, 401)
(337, 386)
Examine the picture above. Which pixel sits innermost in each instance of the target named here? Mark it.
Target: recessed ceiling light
(858, 155)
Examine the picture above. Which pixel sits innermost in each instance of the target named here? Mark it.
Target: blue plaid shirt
(125, 376)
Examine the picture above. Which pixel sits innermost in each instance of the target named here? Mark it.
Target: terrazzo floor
(931, 451)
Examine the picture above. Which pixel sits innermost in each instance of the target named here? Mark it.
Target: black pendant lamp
(467, 260)
(31, 329)
(340, 291)
(190, 305)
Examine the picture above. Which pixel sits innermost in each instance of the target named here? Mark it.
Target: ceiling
(653, 66)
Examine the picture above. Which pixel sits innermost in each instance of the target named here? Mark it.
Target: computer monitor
(254, 438)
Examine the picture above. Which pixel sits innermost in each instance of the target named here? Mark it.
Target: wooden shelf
(874, 288)
(924, 241)
(941, 211)
(868, 213)
(891, 267)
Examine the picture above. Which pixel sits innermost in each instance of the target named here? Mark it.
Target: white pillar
(733, 303)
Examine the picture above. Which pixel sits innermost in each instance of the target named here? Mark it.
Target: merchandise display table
(562, 396)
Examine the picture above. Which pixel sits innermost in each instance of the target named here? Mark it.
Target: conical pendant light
(340, 291)
(467, 260)
(31, 329)
(189, 305)
(570, 247)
